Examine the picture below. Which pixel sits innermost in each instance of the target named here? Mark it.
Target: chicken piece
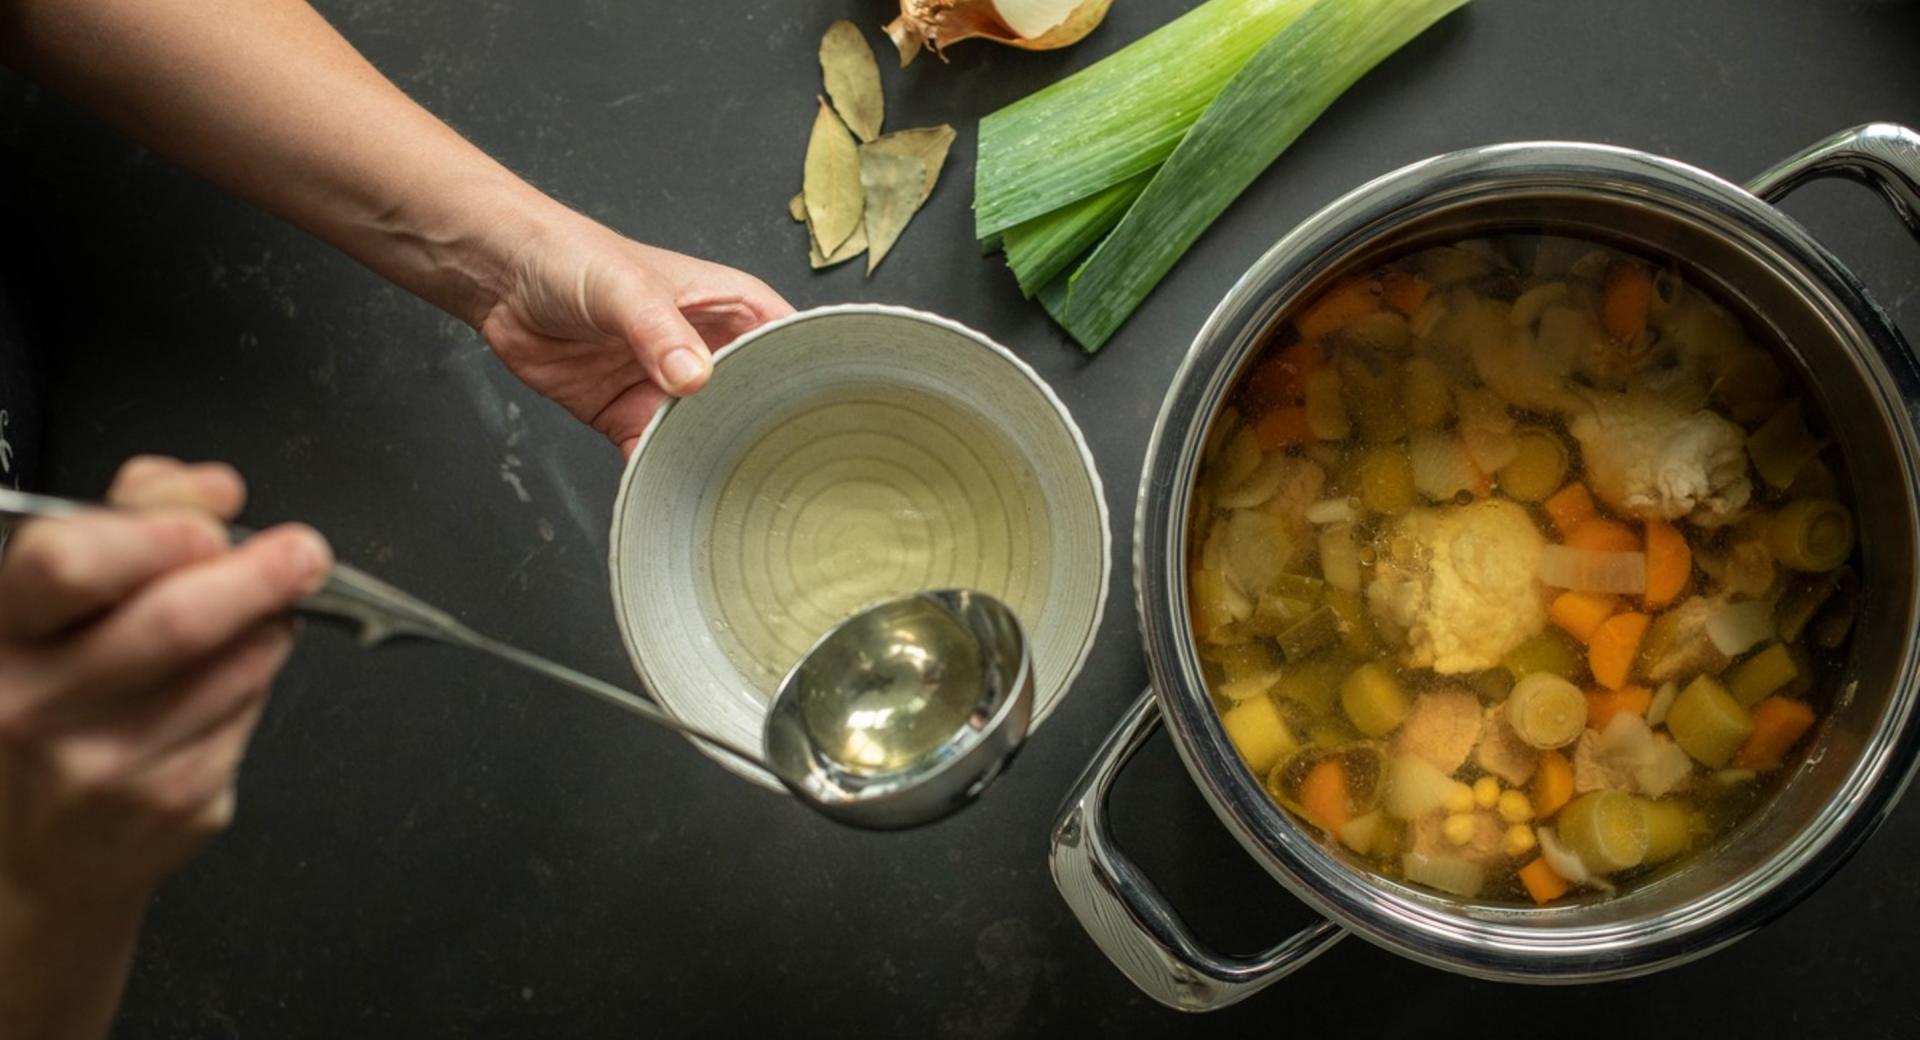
(1482, 849)
(1501, 752)
(1648, 457)
(1463, 593)
(1677, 645)
(1630, 757)
(1442, 728)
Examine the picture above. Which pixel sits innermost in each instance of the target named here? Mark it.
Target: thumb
(661, 338)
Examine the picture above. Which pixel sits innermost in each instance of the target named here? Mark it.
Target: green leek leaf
(1047, 245)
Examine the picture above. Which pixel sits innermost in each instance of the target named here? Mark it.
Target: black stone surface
(429, 846)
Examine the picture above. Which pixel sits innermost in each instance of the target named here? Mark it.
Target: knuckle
(182, 627)
(47, 560)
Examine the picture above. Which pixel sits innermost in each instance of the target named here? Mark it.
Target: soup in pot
(1520, 568)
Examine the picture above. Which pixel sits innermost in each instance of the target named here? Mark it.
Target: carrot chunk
(1543, 883)
(1552, 784)
(1602, 535)
(1669, 563)
(1615, 644)
(1340, 304)
(1569, 507)
(1580, 613)
(1282, 427)
(1603, 705)
(1777, 723)
(1628, 294)
(1405, 291)
(1282, 379)
(1323, 794)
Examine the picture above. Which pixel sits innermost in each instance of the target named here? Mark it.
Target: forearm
(264, 98)
(61, 974)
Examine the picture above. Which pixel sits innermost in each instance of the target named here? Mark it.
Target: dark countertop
(428, 846)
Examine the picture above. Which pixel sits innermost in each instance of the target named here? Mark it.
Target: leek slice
(1262, 109)
(1117, 118)
(1047, 245)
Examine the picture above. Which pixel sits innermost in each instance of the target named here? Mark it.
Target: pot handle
(1128, 917)
(1883, 156)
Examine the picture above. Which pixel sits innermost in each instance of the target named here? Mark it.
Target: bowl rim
(1089, 467)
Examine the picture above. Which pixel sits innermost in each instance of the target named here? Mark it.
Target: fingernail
(310, 556)
(681, 367)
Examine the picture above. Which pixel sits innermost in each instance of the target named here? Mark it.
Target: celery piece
(1753, 679)
(1117, 118)
(1040, 249)
(1310, 634)
(1262, 109)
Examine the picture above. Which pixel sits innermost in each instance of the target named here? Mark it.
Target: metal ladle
(899, 716)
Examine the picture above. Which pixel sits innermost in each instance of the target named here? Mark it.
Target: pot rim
(1488, 942)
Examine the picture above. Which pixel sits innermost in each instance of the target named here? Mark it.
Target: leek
(1043, 247)
(1262, 109)
(1117, 118)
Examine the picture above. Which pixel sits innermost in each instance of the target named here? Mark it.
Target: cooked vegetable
(1424, 393)
(1340, 558)
(1332, 511)
(1581, 613)
(1668, 830)
(1546, 711)
(1310, 634)
(1283, 427)
(1662, 702)
(1441, 468)
(1446, 873)
(1337, 307)
(1669, 563)
(1803, 598)
(1552, 784)
(1372, 402)
(1258, 732)
(1282, 379)
(1782, 446)
(1614, 646)
(1268, 102)
(1736, 628)
(1603, 705)
(1326, 410)
(1034, 25)
(1117, 118)
(1594, 570)
(1778, 724)
(1708, 723)
(1369, 835)
(1248, 686)
(1811, 534)
(1761, 674)
(1550, 652)
(1539, 465)
(1605, 829)
(1356, 628)
(1323, 793)
(1629, 292)
(1601, 535)
(1373, 701)
(1570, 507)
(1543, 883)
(1217, 607)
(1386, 482)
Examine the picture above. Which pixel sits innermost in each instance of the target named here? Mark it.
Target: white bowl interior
(944, 389)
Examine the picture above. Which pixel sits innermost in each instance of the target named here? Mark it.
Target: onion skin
(936, 24)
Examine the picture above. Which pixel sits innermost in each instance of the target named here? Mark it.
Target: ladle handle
(379, 612)
(1883, 156)
(1128, 917)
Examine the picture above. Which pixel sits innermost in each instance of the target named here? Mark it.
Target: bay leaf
(855, 244)
(893, 186)
(853, 79)
(832, 181)
(928, 143)
(797, 207)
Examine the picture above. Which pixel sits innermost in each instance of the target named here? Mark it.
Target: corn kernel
(1459, 799)
(1515, 807)
(1519, 840)
(1486, 792)
(1458, 829)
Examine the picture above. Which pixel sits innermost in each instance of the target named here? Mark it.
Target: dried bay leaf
(855, 244)
(853, 79)
(928, 143)
(893, 186)
(832, 182)
(797, 207)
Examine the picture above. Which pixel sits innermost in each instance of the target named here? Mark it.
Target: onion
(1034, 25)
(1594, 570)
(1562, 859)
(1662, 700)
(1736, 628)
(1441, 468)
(1331, 511)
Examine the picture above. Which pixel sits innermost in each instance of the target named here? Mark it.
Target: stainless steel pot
(1737, 242)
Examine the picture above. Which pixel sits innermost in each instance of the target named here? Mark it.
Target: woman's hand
(609, 328)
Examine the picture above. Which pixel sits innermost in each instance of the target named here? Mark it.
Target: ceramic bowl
(686, 521)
